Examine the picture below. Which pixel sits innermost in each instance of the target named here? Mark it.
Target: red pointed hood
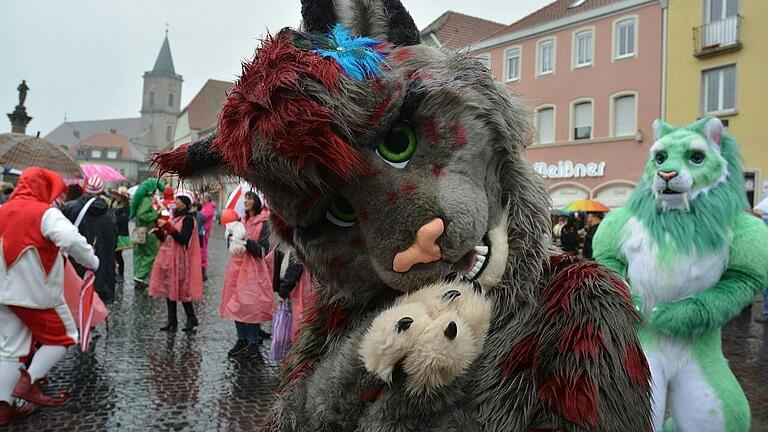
(38, 184)
(21, 216)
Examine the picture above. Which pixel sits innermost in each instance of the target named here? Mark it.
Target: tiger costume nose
(423, 250)
(667, 175)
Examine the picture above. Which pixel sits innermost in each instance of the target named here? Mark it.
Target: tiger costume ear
(385, 20)
(661, 128)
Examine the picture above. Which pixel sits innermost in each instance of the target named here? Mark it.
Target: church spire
(164, 62)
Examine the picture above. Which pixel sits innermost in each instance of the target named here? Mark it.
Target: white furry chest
(656, 281)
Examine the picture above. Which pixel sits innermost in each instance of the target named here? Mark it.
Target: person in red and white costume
(33, 311)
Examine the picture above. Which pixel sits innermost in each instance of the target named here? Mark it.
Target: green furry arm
(606, 245)
(146, 215)
(744, 278)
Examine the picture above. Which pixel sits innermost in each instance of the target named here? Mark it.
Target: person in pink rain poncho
(247, 297)
(176, 274)
(209, 211)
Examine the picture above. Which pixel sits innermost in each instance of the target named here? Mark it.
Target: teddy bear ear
(404, 324)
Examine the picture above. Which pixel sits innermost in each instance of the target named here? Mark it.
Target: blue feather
(360, 57)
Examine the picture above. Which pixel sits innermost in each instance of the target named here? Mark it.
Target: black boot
(173, 323)
(191, 318)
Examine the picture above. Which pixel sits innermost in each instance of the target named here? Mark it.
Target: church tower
(161, 102)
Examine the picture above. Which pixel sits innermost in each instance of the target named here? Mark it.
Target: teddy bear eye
(697, 157)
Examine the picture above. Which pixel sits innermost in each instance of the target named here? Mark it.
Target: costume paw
(434, 333)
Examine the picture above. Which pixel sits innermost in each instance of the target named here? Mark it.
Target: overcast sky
(86, 58)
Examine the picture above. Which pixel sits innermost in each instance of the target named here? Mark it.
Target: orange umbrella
(586, 205)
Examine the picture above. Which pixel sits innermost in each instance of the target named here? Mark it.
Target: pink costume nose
(667, 175)
(424, 250)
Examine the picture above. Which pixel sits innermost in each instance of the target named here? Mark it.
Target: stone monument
(19, 118)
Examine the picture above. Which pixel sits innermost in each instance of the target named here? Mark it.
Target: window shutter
(624, 116)
(546, 125)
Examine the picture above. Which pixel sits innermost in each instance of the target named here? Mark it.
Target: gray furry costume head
(359, 136)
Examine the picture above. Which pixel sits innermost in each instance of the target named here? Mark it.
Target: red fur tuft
(402, 54)
(430, 128)
(622, 288)
(583, 340)
(636, 367)
(363, 215)
(409, 188)
(268, 102)
(575, 397)
(437, 171)
(521, 356)
(459, 135)
(563, 287)
(379, 110)
(304, 205)
(393, 197)
(174, 162)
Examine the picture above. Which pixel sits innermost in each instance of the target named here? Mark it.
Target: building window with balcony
(96, 154)
(485, 60)
(582, 48)
(545, 123)
(112, 154)
(718, 90)
(624, 38)
(624, 115)
(582, 120)
(512, 64)
(545, 63)
(720, 31)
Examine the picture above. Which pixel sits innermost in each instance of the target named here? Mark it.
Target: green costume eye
(661, 157)
(697, 157)
(341, 213)
(398, 145)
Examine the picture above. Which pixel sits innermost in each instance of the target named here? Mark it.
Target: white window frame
(487, 57)
(554, 122)
(112, 154)
(539, 43)
(519, 63)
(703, 86)
(96, 154)
(707, 19)
(614, 44)
(612, 113)
(574, 48)
(572, 115)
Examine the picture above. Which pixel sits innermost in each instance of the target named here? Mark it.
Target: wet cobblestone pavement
(137, 378)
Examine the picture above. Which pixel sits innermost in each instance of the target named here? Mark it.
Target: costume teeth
(481, 259)
(481, 250)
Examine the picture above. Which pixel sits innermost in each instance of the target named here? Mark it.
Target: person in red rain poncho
(32, 307)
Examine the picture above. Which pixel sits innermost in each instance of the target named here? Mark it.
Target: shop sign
(568, 169)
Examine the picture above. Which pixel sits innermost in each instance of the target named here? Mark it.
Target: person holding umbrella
(32, 307)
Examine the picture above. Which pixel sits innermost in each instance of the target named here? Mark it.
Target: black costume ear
(381, 19)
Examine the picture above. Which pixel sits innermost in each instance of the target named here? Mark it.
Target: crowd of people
(574, 234)
(89, 229)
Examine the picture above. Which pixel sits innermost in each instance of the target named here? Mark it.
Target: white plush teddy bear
(235, 234)
(434, 333)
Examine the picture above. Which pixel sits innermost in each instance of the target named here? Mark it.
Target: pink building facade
(593, 79)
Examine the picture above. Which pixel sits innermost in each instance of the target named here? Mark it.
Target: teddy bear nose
(667, 175)
(423, 250)
(451, 331)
